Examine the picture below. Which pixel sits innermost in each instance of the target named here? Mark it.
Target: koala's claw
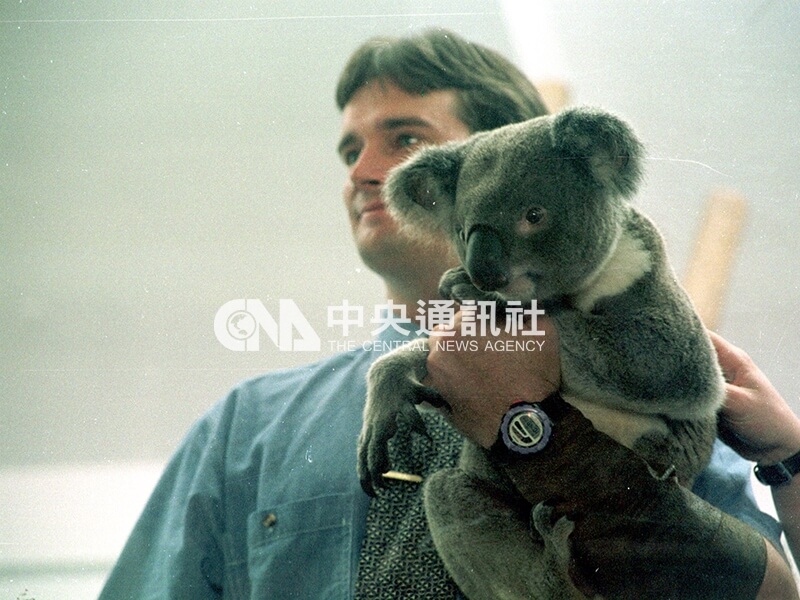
(429, 395)
(373, 443)
(373, 461)
(457, 285)
(555, 534)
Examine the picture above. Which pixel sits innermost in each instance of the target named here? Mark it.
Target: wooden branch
(555, 94)
(710, 265)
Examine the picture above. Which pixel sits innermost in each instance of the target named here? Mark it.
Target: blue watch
(527, 426)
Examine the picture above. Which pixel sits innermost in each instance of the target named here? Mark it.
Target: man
(262, 500)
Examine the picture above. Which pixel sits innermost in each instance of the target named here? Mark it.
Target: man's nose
(370, 168)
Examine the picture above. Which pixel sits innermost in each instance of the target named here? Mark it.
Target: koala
(541, 210)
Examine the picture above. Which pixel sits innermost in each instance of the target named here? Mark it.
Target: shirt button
(269, 520)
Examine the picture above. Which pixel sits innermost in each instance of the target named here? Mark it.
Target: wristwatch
(527, 426)
(780, 473)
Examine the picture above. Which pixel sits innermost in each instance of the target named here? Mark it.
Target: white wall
(64, 525)
(158, 159)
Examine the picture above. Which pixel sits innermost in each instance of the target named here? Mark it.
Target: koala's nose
(486, 259)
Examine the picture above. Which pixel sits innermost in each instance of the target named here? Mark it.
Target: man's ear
(605, 144)
(422, 190)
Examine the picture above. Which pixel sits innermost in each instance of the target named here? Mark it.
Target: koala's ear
(610, 149)
(426, 181)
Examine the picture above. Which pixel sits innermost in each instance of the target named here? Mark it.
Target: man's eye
(349, 157)
(406, 140)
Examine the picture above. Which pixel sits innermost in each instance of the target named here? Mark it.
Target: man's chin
(382, 247)
(387, 253)
(376, 231)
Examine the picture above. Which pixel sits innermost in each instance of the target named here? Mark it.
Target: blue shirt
(262, 500)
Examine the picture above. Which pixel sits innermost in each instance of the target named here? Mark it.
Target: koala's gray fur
(539, 210)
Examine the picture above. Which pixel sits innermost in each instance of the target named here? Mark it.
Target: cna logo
(238, 325)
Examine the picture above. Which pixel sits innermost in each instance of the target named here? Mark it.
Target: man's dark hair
(491, 91)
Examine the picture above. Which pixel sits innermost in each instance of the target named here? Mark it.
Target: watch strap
(780, 473)
(555, 406)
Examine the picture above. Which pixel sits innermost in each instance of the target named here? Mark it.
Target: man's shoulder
(320, 371)
(336, 382)
(330, 390)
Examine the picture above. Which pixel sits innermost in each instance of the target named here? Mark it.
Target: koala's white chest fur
(626, 263)
(621, 425)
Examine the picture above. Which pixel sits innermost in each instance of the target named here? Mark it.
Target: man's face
(381, 126)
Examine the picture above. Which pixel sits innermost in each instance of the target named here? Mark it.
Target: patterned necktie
(398, 559)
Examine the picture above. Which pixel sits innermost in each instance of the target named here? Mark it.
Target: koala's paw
(457, 285)
(390, 398)
(555, 536)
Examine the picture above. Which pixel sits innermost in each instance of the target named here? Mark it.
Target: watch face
(525, 429)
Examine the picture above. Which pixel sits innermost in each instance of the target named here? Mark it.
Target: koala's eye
(535, 215)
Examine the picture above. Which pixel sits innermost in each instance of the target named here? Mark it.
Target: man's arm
(759, 424)
(173, 551)
(479, 387)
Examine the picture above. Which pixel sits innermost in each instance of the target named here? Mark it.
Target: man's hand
(756, 421)
(480, 381)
